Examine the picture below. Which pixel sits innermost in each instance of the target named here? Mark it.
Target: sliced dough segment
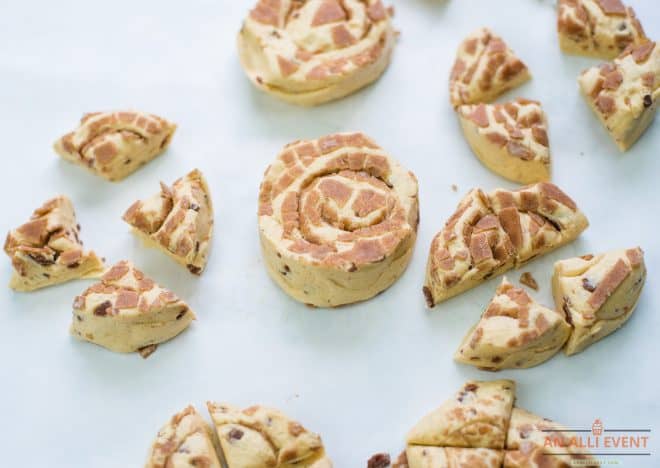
(597, 28)
(47, 249)
(177, 221)
(598, 293)
(490, 234)
(624, 93)
(514, 332)
(115, 144)
(478, 416)
(526, 445)
(186, 441)
(509, 139)
(127, 311)
(315, 51)
(451, 457)
(257, 436)
(485, 67)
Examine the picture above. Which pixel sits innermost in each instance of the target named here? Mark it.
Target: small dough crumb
(528, 280)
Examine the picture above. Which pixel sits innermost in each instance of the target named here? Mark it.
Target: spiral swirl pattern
(310, 52)
(338, 219)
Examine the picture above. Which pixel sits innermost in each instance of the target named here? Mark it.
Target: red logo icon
(597, 427)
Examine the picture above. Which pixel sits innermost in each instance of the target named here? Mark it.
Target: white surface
(361, 376)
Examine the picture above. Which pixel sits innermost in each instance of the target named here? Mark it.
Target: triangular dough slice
(531, 444)
(514, 332)
(478, 416)
(538, 218)
(471, 248)
(490, 234)
(186, 441)
(451, 457)
(177, 221)
(47, 249)
(509, 139)
(258, 436)
(598, 293)
(597, 28)
(485, 67)
(115, 144)
(126, 311)
(624, 94)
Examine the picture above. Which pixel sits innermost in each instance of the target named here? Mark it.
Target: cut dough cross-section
(47, 250)
(177, 221)
(113, 145)
(126, 312)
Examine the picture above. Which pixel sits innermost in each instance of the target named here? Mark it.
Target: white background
(361, 376)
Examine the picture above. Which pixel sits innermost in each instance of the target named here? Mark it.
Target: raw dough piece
(115, 144)
(186, 441)
(598, 293)
(478, 416)
(337, 219)
(509, 139)
(490, 234)
(263, 437)
(127, 311)
(316, 51)
(485, 67)
(597, 28)
(177, 221)
(47, 249)
(624, 94)
(514, 332)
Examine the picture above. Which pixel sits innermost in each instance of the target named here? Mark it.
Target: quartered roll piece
(480, 428)
(598, 293)
(47, 249)
(264, 437)
(178, 221)
(514, 332)
(186, 441)
(510, 139)
(624, 94)
(315, 51)
(490, 234)
(536, 442)
(485, 67)
(337, 219)
(597, 28)
(113, 145)
(126, 311)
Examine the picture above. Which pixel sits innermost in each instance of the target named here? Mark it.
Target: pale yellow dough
(337, 219)
(127, 311)
(514, 332)
(484, 68)
(451, 457)
(526, 445)
(597, 28)
(47, 249)
(259, 437)
(186, 441)
(113, 145)
(478, 416)
(624, 94)
(311, 52)
(598, 293)
(509, 139)
(480, 428)
(490, 234)
(178, 221)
